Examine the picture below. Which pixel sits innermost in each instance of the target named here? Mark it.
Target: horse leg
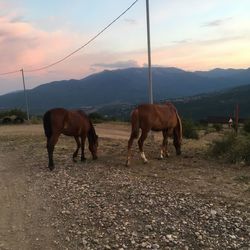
(177, 141)
(130, 143)
(83, 139)
(78, 144)
(51, 142)
(140, 143)
(164, 150)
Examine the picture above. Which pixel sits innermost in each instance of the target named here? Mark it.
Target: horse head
(93, 145)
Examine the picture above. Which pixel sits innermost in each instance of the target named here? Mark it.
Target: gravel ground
(186, 202)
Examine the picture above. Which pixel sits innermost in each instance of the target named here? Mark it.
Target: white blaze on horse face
(144, 157)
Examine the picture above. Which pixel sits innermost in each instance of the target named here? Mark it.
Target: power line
(75, 51)
(10, 72)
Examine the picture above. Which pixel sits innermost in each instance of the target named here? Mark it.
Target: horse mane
(170, 105)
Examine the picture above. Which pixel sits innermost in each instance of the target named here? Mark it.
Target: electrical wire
(75, 51)
(10, 72)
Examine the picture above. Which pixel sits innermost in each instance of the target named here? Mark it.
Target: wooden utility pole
(150, 86)
(25, 96)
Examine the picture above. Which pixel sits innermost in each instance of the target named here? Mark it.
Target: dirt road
(178, 203)
(23, 221)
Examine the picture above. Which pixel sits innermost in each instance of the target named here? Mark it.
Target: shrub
(246, 126)
(217, 126)
(35, 120)
(232, 148)
(16, 112)
(189, 129)
(222, 146)
(96, 117)
(241, 150)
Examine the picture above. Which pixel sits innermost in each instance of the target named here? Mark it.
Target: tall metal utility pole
(150, 86)
(25, 95)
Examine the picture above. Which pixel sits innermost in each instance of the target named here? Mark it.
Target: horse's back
(58, 113)
(157, 116)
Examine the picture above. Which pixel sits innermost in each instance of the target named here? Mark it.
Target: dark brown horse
(71, 123)
(155, 117)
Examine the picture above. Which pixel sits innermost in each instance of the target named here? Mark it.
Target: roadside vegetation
(16, 112)
(233, 147)
(190, 129)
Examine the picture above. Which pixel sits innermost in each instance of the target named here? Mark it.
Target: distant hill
(224, 73)
(128, 86)
(199, 107)
(222, 103)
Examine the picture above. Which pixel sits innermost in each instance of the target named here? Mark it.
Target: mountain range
(129, 86)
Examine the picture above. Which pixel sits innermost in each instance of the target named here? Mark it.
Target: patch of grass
(232, 148)
(35, 120)
(246, 126)
(218, 127)
(220, 147)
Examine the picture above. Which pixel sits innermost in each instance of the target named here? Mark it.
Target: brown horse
(155, 117)
(71, 123)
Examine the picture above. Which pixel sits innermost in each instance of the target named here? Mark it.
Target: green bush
(189, 129)
(96, 117)
(217, 126)
(16, 112)
(246, 126)
(232, 148)
(35, 120)
(222, 146)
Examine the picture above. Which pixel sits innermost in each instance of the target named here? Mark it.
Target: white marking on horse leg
(162, 154)
(128, 161)
(144, 157)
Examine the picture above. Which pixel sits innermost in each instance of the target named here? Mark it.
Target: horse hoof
(51, 168)
(127, 164)
(145, 162)
(83, 159)
(74, 159)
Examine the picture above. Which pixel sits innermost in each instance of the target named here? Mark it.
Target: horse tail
(178, 135)
(47, 124)
(135, 123)
(92, 136)
(179, 126)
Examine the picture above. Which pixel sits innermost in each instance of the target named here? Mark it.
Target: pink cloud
(23, 46)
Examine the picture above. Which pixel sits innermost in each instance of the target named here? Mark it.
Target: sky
(188, 34)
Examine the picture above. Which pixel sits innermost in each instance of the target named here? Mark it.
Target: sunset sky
(188, 34)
